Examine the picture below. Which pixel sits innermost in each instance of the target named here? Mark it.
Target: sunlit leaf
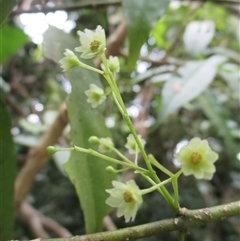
(190, 80)
(87, 173)
(7, 175)
(141, 16)
(12, 38)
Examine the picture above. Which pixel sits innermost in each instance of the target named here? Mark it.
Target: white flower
(113, 64)
(95, 95)
(131, 144)
(93, 42)
(106, 144)
(126, 197)
(70, 61)
(197, 158)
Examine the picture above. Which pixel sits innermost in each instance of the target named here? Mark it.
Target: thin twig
(75, 7)
(38, 156)
(94, 4)
(39, 224)
(190, 219)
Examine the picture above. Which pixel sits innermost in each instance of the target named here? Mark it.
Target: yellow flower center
(195, 158)
(134, 146)
(94, 46)
(127, 196)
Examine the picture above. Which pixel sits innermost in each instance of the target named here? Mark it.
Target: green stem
(118, 153)
(81, 64)
(163, 191)
(136, 158)
(156, 186)
(175, 187)
(121, 155)
(109, 159)
(123, 110)
(121, 106)
(181, 236)
(159, 166)
(152, 183)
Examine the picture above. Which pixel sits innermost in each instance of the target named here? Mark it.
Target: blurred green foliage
(7, 174)
(12, 38)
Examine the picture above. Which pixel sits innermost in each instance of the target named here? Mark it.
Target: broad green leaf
(141, 16)
(190, 81)
(12, 38)
(86, 172)
(216, 115)
(7, 174)
(6, 7)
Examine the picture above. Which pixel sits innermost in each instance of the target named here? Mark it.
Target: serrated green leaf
(11, 39)
(86, 172)
(190, 81)
(7, 175)
(141, 16)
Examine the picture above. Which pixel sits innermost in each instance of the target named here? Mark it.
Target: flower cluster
(197, 159)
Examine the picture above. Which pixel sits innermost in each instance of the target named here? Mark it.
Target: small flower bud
(70, 61)
(51, 150)
(110, 169)
(94, 140)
